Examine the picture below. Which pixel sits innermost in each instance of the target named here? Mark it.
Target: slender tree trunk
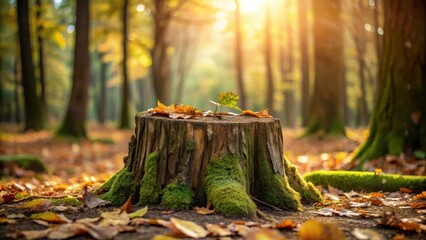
(327, 109)
(75, 117)
(102, 98)
(124, 119)
(160, 68)
(182, 67)
(18, 79)
(378, 42)
(41, 57)
(239, 57)
(34, 119)
(398, 124)
(268, 61)
(304, 58)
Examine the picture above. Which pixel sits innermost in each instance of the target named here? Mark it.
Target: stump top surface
(215, 120)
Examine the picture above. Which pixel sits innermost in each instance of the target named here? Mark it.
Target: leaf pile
(175, 111)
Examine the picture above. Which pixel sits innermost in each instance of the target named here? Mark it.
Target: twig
(267, 204)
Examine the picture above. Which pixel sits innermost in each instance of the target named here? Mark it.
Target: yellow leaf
(162, 237)
(139, 213)
(38, 204)
(7, 220)
(203, 211)
(59, 39)
(377, 171)
(51, 217)
(189, 228)
(264, 234)
(315, 230)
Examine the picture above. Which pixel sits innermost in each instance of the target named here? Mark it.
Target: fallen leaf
(420, 196)
(377, 171)
(418, 205)
(314, 229)
(65, 231)
(7, 220)
(14, 216)
(41, 222)
(203, 211)
(100, 232)
(405, 190)
(217, 230)
(261, 114)
(189, 228)
(264, 234)
(163, 237)
(38, 204)
(366, 234)
(92, 201)
(114, 218)
(36, 234)
(285, 224)
(51, 217)
(88, 220)
(127, 206)
(399, 237)
(139, 213)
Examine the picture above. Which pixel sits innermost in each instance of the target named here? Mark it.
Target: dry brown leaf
(261, 114)
(100, 232)
(91, 200)
(88, 220)
(203, 211)
(14, 216)
(163, 237)
(114, 218)
(189, 228)
(405, 190)
(127, 206)
(217, 230)
(363, 234)
(7, 220)
(314, 229)
(35, 234)
(264, 234)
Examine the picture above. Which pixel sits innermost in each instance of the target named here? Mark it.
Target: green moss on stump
(274, 189)
(120, 186)
(366, 181)
(307, 190)
(25, 161)
(150, 190)
(176, 196)
(226, 187)
(68, 200)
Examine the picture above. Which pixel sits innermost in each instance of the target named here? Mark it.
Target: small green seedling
(227, 99)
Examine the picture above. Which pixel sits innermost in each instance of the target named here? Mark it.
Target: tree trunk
(41, 58)
(239, 57)
(160, 68)
(34, 119)
(102, 98)
(327, 109)
(268, 60)
(304, 58)
(75, 117)
(399, 124)
(18, 79)
(228, 162)
(124, 119)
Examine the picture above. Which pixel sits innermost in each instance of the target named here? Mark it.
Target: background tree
(399, 123)
(304, 59)
(124, 119)
(34, 119)
(39, 33)
(268, 59)
(75, 118)
(327, 107)
(239, 56)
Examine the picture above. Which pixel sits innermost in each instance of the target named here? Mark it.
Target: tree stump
(228, 162)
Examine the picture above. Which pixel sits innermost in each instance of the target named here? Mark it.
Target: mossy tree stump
(226, 162)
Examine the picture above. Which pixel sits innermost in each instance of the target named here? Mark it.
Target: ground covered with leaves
(59, 204)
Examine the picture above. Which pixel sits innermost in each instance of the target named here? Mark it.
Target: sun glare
(251, 6)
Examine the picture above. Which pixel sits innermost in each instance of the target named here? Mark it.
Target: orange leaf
(377, 171)
(285, 224)
(313, 229)
(405, 190)
(261, 114)
(127, 206)
(264, 234)
(203, 211)
(420, 196)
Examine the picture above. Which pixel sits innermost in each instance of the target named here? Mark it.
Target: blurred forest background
(185, 51)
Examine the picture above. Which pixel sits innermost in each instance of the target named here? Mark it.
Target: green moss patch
(274, 189)
(71, 201)
(226, 187)
(366, 181)
(120, 187)
(307, 190)
(150, 190)
(25, 161)
(177, 196)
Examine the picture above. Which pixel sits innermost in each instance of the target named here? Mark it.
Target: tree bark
(75, 117)
(304, 58)
(228, 162)
(102, 98)
(327, 105)
(239, 56)
(399, 124)
(34, 119)
(124, 117)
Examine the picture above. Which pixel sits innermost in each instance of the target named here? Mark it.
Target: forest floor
(74, 165)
